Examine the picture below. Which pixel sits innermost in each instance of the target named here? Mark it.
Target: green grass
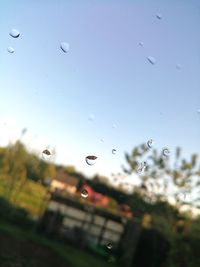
(73, 256)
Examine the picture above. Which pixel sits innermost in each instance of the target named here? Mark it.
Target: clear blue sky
(105, 73)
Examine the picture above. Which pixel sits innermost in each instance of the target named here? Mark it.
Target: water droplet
(114, 126)
(114, 151)
(166, 152)
(151, 60)
(91, 117)
(198, 111)
(14, 33)
(46, 154)
(159, 16)
(178, 66)
(150, 143)
(141, 167)
(11, 49)
(111, 259)
(65, 47)
(102, 140)
(90, 160)
(109, 245)
(141, 43)
(84, 193)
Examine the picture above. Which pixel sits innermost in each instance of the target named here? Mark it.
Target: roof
(66, 178)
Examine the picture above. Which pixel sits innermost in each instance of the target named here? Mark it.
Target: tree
(159, 175)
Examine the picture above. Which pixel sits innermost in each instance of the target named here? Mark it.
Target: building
(79, 222)
(95, 197)
(64, 182)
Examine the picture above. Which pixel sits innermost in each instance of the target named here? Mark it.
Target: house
(64, 182)
(95, 197)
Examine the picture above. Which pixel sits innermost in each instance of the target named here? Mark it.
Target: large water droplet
(158, 16)
(14, 33)
(114, 151)
(10, 49)
(166, 152)
(46, 154)
(65, 47)
(151, 60)
(109, 245)
(150, 143)
(84, 193)
(90, 160)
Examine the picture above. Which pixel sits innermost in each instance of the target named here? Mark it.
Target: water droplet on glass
(10, 49)
(166, 152)
(102, 140)
(65, 47)
(46, 154)
(141, 167)
(159, 16)
(111, 259)
(114, 151)
(178, 66)
(114, 126)
(91, 117)
(84, 193)
(151, 60)
(198, 111)
(141, 43)
(150, 143)
(90, 160)
(109, 246)
(14, 33)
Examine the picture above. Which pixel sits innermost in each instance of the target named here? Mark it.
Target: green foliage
(161, 173)
(30, 197)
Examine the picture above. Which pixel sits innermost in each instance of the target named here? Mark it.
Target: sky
(105, 74)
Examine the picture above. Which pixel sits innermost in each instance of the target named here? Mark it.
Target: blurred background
(99, 133)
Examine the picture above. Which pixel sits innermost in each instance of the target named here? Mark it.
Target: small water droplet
(114, 151)
(151, 60)
(109, 245)
(102, 140)
(166, 152)
(11, 49)
(65, 47)
(141, 43)
(46, 154)
(158, 16)
(141, 167)
(14, 33)
(178, 66)
(114, 126)
(150, 143)
(84, 193)
(198, 111)
(111, 259)
(90, 160)
(91, 117)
